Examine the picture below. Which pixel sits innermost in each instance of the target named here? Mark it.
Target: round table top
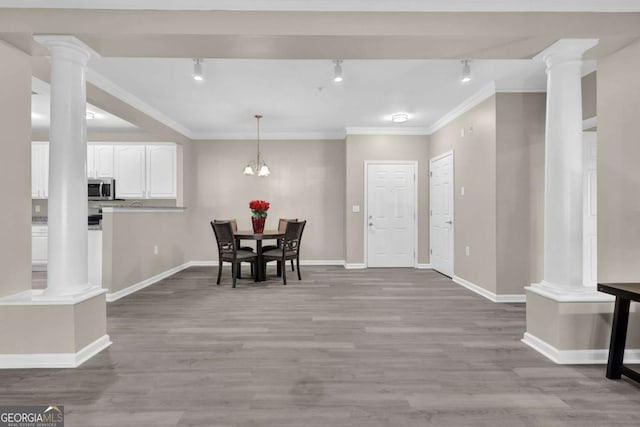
(249, 234)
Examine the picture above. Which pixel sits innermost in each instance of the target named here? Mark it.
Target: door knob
(370, 224)
(448, 222)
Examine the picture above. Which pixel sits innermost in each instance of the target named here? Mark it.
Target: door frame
(414, 164)
(453, 205)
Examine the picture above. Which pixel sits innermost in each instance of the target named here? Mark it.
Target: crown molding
(127, 97)
(387, 131)
(266, 136)
(339, 5)
(483, 94)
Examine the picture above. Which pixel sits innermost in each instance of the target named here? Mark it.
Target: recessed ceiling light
(399, 117)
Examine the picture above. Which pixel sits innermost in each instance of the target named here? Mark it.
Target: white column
(563, 210)
(67, 210)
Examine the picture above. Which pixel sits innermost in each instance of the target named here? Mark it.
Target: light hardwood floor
(377, 347)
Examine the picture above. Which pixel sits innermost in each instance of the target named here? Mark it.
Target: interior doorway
(390, 216)
(441, 218)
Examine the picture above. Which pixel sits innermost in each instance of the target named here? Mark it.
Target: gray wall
(519, 190)
(15, 171)
(500, 164)
(618, 170)
(383, 147)
(306, 182)
(475, 170)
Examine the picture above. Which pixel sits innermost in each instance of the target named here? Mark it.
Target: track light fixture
(465, 77)
(337, 71)
(197, 70)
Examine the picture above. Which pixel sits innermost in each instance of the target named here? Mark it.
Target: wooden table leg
(260, 273)
(618, 338)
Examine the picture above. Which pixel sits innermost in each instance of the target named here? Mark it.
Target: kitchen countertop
(147, 209)
(42, 220)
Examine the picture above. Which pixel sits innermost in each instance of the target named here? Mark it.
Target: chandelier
(259, 167)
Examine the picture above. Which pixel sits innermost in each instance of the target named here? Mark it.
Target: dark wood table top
(250, 235)
(630, 291)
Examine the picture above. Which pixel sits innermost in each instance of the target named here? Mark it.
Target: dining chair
(227, 250)
(282, 227)
(234, 227)
(289, 248)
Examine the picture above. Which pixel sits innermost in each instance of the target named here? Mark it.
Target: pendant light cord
(258, 117)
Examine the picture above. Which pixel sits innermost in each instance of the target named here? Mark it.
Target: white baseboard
(491, 296)
(302, 262)
(54, 360)
(147, 282)
(355, 266)
(423, 266)
(576, 357)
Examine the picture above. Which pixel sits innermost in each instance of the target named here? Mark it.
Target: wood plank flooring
(377, 347)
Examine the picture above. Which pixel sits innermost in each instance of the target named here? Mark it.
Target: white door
(589, 221)
(161, 171)
(391, 215)
(130, 171)
(441, 213)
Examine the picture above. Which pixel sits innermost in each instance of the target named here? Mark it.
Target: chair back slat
(293, 236)
(223, 231)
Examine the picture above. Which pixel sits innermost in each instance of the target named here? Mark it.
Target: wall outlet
(355, 208)
(466, 250)
(37, 208)
(155, 250)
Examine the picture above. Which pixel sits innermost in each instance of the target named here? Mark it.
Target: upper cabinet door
(103, 161)
(40, 170)
(91, 164)
(161, 171)
(129, 164)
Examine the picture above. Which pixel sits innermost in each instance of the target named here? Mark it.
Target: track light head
(465, 77)
(197, 70)
(337, 71)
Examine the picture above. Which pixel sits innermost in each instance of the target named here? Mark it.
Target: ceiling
(274, 57)
(298, 98)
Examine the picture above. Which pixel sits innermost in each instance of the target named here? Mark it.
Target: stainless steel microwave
(102, 189)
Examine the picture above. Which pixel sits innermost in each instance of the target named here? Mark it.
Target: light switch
(37, 208)
(462, 133)
(466, 250)
(462, 191)
(355, 208)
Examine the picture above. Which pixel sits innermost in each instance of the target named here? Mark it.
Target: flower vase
(258, 224)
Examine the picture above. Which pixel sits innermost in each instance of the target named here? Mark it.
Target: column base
(575, 327)
(46, 332)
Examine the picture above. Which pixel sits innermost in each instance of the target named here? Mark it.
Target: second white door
(390, 215)
(441, 209)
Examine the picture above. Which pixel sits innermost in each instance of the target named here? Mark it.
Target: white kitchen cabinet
(161, 171)
(100, 162)
(39, 170)
(129, 171)
(145, 171)
(39, 237)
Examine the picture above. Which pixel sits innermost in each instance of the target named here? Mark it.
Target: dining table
(260, 273)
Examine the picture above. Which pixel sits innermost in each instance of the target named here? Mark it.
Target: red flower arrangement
(259, 208)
